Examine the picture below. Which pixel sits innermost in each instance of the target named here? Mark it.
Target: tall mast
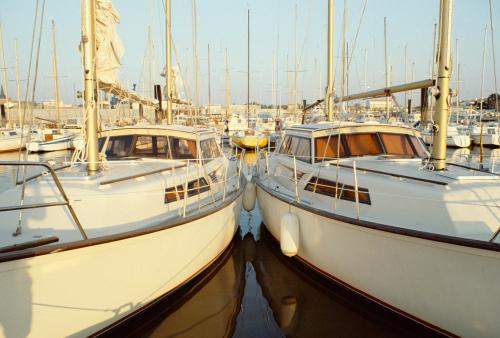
(168, 76)
(195, 60)
(209, 101)
(329, 88)
(295, 69)
(88, 42)
(248, 68)
(19, 115)
(4, 74)
(482, 76)
(443, 86)
(386, 69)
(228, 88)
(458, 77)
(56, 76)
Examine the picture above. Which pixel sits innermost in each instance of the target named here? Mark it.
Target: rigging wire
(33, 92)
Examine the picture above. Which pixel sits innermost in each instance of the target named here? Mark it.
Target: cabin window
(195, 187)
(327, 148)
(151, 146)
(285, 145)
(303, 150)
(344, 191)
(363, 144)
(418, 146)
(397, 144)
(183, 148)
(300, 147)
(119, 146)
(209, 150)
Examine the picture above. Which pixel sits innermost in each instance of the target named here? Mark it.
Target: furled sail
(109, 47)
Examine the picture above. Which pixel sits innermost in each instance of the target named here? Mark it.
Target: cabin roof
(324, 128)
(178, 131)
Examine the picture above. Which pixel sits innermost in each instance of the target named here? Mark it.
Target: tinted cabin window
(151, 146)
(300, 147)
(183, 148)
(397, 144)
(344, 191)
(303, 150)
(194, 188)
(285, 145)
(144, 146)
(327, 148)
(418, 146)
(209, 150)
(119, 146)
(363, 144)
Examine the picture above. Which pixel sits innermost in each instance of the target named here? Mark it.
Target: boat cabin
(320, 142)
(177, 143)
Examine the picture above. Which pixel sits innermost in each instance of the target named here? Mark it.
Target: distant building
(380, 105)
(51, 104)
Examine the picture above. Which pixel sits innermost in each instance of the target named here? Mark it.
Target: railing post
(185, 190)
(267, 164)
(224, 183)
(297, 198)
(239, 169)
(356, 195)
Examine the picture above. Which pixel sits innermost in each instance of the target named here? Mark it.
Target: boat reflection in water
(254, 291)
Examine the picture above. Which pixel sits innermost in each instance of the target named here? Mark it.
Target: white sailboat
(93, 243)
(51, 139)
(367, 207)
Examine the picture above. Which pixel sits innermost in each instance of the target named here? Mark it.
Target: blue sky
(223, 24)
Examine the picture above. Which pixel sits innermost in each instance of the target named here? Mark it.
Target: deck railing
(219, 186)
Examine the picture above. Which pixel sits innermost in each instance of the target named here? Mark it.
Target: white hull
(458, 141)
(62, 143)
(11, 143)
(488, 139)
(452, 287)
(81, 291)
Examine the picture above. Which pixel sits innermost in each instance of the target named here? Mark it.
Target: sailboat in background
(95, 242)
(53, 139)
(249, 138)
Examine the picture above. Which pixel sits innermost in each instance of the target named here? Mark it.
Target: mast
(248, 69)
(295, 69)
(56, 78)
(195, 60)
(208, 79)
(228, 89)
(4, 74)
(329, 88)
(386, 69)
(458, 78)
(20, 116)
(88, 43)
(168, 76)
(443, 86)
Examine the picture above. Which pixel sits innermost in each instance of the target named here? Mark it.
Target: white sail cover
(108, 44)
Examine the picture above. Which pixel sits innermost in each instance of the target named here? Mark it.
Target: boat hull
(450, 288)
(250, 141)
(83, 290)
(11, 143)
(457, 141)
(62, 143)
(489, 140)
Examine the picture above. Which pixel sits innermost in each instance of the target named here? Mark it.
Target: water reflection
(256, 292)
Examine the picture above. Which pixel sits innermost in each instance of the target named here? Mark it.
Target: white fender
(249, 196)
(290, 234)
